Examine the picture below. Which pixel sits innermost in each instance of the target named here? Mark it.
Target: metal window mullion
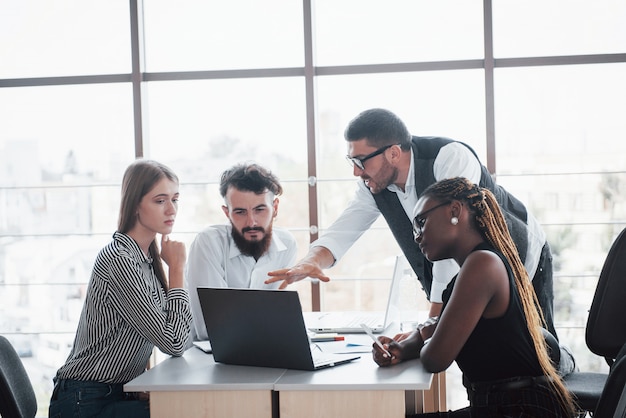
(490, 124)
(137, 58)
(309, 82)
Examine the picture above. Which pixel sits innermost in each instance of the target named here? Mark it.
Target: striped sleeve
(136, 295)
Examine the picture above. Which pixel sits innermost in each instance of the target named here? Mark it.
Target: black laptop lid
(255, 327)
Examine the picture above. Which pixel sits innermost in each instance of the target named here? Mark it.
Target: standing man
(394, 169)
(241, 253)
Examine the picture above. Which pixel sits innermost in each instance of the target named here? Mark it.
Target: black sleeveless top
(498, 348)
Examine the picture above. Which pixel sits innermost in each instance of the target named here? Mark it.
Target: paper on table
(344, 347)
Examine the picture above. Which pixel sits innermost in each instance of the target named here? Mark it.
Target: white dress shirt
(215, 261)
(453, 160)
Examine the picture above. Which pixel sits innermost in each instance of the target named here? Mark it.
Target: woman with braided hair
(489, 323)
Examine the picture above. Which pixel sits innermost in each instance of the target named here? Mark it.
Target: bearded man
(240, 253)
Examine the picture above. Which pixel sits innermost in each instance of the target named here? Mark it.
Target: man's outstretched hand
(298, 272)
(312, 266)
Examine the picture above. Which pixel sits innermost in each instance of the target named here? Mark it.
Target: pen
(373, 337)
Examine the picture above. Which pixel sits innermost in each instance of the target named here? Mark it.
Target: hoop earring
(454, 220)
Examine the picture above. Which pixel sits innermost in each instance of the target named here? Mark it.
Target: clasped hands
(403, 346)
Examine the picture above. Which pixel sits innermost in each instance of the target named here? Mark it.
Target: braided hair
(490, 222)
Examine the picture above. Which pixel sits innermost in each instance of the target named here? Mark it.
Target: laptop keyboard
(369, 320)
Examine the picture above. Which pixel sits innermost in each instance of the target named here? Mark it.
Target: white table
(359, 389)
(195, 386)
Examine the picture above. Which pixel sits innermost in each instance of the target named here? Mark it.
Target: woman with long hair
(131, 305)
(489, 323)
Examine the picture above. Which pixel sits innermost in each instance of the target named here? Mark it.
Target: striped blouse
(126, 313)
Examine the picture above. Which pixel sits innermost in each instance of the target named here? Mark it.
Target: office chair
(605, 332)
(17, 397)
(612, 402)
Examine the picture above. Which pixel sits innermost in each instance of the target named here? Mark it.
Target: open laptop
(350, 321)
(255, 327)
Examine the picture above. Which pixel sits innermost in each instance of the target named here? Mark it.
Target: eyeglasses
(360, 162)
(420, 220)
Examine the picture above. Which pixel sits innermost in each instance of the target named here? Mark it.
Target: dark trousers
(76, 398)
(543, 283)
(523, 397)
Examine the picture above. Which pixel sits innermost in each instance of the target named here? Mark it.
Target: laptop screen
(256, 327)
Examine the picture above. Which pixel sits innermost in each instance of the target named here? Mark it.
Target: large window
(199, 35)
(85, 87)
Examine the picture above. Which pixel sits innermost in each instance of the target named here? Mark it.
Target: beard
(253, 248)
(385, 177)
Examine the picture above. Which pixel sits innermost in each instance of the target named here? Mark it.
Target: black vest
(425, 150)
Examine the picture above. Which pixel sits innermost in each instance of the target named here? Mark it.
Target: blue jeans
(79, 399)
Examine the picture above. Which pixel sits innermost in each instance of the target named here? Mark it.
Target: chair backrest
(612, 403)
(606, 325)
(17, 397)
